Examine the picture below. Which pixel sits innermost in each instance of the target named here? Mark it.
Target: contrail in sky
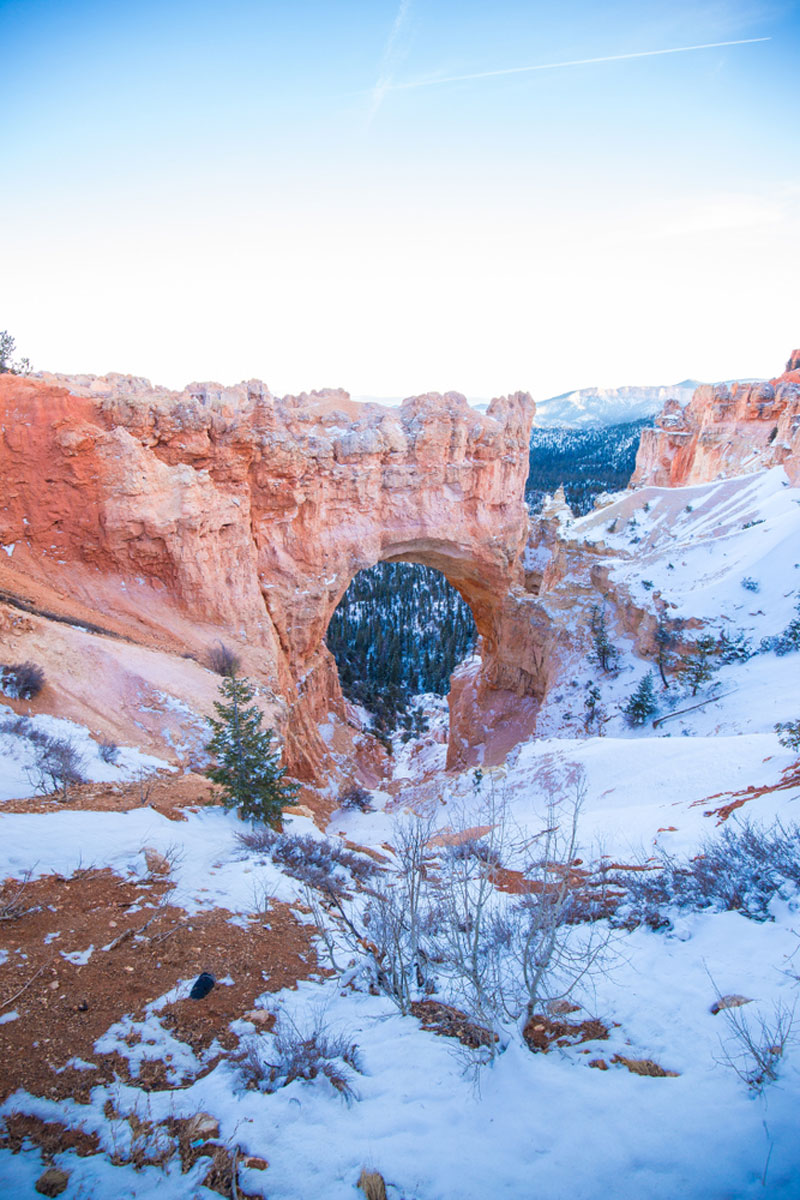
(554, 66)
(387, 59)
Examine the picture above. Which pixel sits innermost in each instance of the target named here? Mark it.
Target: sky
(403, 196)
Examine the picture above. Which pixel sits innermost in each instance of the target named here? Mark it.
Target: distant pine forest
(400, 629)
(586, 461)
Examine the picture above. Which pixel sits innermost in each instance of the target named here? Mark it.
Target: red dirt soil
(64, 1008)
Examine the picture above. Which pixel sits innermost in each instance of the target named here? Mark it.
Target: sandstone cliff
(725, 431)
(172, 519)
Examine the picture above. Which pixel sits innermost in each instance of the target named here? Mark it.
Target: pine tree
(248, 769)
(789, 734)
(642, 703)
(666, 639)
(605, 653)
(700, 662)
(593, 711)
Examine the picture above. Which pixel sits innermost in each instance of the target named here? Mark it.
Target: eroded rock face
(248, 515)
(725, 431)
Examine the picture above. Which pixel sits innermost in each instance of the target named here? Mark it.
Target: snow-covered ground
(722, 558)
(433, 1123)
(530, 1124)
(18, 774)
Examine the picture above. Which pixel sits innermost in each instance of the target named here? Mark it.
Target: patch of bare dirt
(445, 1021)
(50, 1136)
(148, 1146)
(164, 791)
(790, 778)
(142, 947)
(542, 1032)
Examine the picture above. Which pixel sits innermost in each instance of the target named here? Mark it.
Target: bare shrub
(319, 863)
(740, 869)
(388, 934)
(224, 661)
(136, 1136)
(12, 900)
(355, 799)
(108, 751)
(437, 922)
(58, 766)
(300, 1052)
(756, 1044)
(17, 726)
(506, 956)
(145, 778)
(23, 681)
(260, 840)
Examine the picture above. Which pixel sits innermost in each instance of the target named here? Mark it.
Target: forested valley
(587, 462)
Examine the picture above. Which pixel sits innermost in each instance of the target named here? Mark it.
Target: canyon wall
(723, 431)
(178, 518)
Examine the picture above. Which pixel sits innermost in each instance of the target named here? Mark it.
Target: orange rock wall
(725, 431)
(249, 515)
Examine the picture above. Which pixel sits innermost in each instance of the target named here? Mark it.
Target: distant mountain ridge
(595, 406)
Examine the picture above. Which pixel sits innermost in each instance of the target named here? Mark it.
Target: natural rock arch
(433, 482)
(250, 514)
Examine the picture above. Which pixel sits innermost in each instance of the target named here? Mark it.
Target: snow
(78, 957)
(17, 755)
(206, 856)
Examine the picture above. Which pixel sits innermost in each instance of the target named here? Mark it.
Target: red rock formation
(725, 431)
(229, 512)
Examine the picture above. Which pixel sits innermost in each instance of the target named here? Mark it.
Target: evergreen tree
(700, 663)
(248, 770)
(789, 734)
(666, 639)
(593, 711)
(605, 653)
(642, 704)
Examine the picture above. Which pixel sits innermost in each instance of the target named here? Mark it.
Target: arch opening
(398, 632)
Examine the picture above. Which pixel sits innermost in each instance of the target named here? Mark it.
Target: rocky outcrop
(725, 431)
(231, 512)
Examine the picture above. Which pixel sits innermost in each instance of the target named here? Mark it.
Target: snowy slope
(17, 754)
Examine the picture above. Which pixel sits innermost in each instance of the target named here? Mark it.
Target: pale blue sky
(198, 190)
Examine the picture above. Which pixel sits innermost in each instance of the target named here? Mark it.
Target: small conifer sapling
(248, 770)
(605, 654)
(642, 703)
(700, 663)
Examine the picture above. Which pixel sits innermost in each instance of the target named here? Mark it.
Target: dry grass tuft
(372, 1185)
(645, 1066)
